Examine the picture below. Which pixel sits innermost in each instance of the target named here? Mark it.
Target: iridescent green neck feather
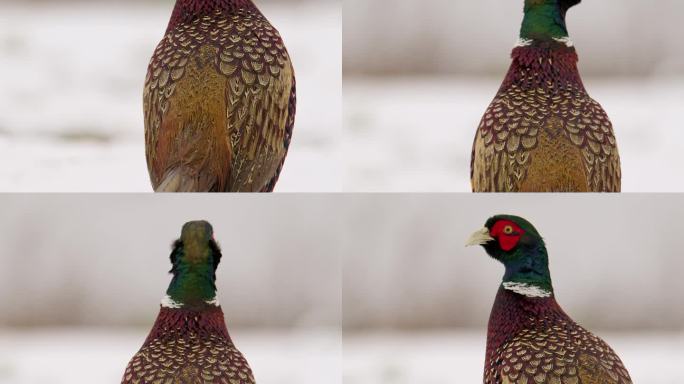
(529, 266)
(195, 257)
(517, 244)
(545, 19)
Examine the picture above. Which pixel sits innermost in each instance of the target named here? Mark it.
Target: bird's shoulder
(523, 122)
(242, 44)
(210, 358)
(559, 351)
(514, 118)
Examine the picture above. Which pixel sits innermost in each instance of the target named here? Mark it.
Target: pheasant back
(219, 103)
(543, 133)
(188, 348)
(534, 341)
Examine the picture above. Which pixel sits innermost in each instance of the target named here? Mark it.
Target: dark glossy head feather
(562, 4)
(194, 258)
(517, 244)
(545, 19)
(567, 4)
(528, 237)
(196, 246)
(177, 252)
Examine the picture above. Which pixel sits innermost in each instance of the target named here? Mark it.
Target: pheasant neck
(513, 312)
(187, 10)
(544, 66)
(192, 287)
(175, 323)
(527, 272)
(544, 21)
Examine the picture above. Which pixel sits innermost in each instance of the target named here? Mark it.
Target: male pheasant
(219, 100)
(189, 342)
(542, 132)
(530, 338)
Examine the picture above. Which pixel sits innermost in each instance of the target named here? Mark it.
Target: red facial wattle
(507, 233)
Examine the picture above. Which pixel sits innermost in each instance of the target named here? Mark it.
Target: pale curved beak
(480, 237)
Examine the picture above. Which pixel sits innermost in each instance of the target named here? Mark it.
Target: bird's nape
(199, 230)
(544, 21)
(195, 258)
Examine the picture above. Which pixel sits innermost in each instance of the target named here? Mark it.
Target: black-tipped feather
(176, 252)
(215, 254)
(567, 4)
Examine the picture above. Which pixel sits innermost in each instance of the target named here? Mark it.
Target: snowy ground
(100, 356)
(416, 134)
(71, 94)
(457, 357)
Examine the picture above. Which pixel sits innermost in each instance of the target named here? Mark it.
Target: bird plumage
(543, 132)
(188, 347)
(530, 339)
(219, 100)
(189, 342)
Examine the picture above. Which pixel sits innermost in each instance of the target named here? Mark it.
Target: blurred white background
(416, 301)
(82, 277)
(418, 75)
(71, 85)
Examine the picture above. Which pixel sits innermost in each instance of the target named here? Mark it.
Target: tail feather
(176, 180)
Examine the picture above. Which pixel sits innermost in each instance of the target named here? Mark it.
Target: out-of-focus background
(71, 85)
(419, 74)
(416, 300)
(82, 277)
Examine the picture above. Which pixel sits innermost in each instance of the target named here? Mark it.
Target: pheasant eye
(508, 230)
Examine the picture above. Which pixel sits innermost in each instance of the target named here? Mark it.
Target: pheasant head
(518, 246)
(545, 20)
(194, 258)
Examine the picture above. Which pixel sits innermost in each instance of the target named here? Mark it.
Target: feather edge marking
(526, 289)
(168, 302)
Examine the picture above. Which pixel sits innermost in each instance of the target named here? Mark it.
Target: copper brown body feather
(543, 133)
(219, 103)
(188, 361)
(533, 340)
(188, 348)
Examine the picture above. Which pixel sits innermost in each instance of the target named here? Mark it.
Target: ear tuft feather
(176, 251)
(215, 252)
(567, 4)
